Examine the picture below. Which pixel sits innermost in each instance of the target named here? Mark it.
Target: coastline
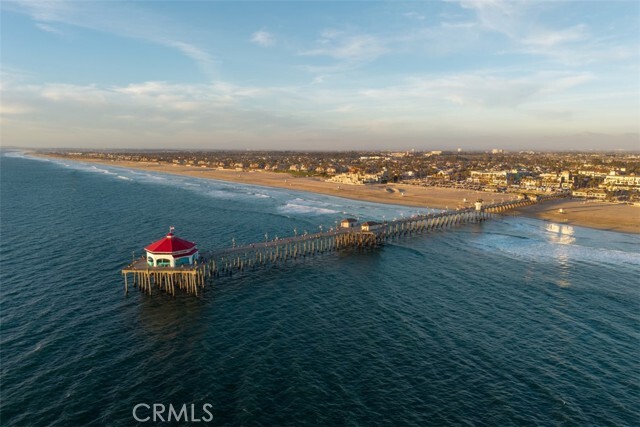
(587, 213)
(395, 194)
(597, 215)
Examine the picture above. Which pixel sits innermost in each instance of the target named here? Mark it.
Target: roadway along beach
(599, 215)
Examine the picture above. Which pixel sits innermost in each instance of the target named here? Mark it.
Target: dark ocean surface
(510, 322)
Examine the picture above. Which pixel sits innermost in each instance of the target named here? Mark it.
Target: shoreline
(587, 213)
(591, 214)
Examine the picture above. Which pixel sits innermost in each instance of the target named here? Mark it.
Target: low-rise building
(358, 178)
(371, 226)
(590, 194)
(498, 178)
(622, 182)
(348, 223)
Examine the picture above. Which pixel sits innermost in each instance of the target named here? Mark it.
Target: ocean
(513, 321)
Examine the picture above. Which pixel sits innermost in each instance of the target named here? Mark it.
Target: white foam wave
(124, 178)
(305, 209)
(555, 249)
(24, 155)
(100, 170)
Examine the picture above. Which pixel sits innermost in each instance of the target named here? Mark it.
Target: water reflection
(560, 233)
(561, 236)
(161, 317)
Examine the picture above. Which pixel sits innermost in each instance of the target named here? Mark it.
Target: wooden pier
(192, 278)
(188, 278)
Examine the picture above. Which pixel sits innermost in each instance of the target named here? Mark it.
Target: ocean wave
(553, 247)
(96, 169)
(24, 155)
(295, 208)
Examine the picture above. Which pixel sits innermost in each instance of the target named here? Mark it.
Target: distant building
(433, 153)
(554, 181)
(590, 194)
(358, 178)
(171, 251)
(348, 223)
(497, 178)
(622, 182)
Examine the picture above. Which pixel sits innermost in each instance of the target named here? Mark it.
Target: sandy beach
(397, 194)
(593, 214)
(599, 215)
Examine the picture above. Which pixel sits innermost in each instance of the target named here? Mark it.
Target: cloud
(551, 38)
(414, 15)
(87, 95)
(263, 38)
(154, 113)
(349, 47)
(503, 16)
(10, 109)
(205, 60)
(48, 28)
(528, 30)
(118, 18)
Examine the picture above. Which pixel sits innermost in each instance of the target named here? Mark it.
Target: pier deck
(227, 261)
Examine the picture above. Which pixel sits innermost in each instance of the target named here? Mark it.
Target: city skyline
(321, 75)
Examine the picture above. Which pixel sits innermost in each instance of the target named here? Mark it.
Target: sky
(304, 75)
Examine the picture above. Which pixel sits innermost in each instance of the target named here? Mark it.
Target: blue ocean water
(510, 322)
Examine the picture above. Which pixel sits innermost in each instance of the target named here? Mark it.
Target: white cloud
(551, 38)
(87, 95)
(48, 28)
(358, 47)
(10, 109)
(161, 112)
(263, 38)
(119, 18)
(504, 16)
(414, 15)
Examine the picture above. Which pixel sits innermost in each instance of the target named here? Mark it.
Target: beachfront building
(590, 194)
(496, 178)
(359, 178)
(556, 181)
(622, 182)
(171, 251)
(348, 223)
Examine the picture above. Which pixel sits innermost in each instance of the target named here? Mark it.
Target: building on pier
(171, 251)
(348, 223)
(371, 226)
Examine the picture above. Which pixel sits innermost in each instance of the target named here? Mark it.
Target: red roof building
(171, 251)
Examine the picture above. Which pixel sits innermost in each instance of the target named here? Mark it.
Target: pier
(192, 278)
